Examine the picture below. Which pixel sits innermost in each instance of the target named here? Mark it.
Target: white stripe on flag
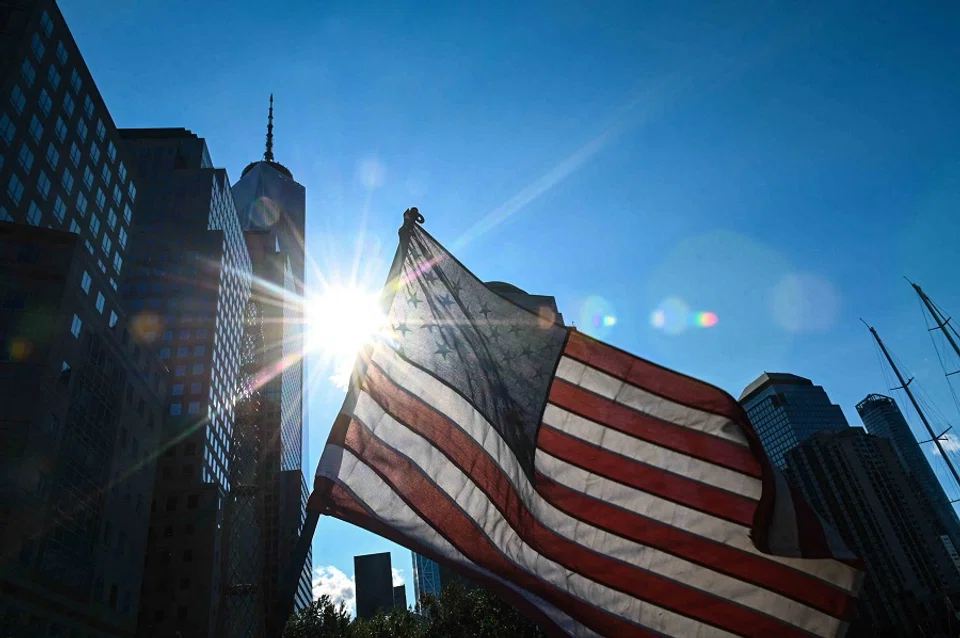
(617, 390)
(461, 489)
(343, 467)
(651, 454)
(448, 402)
(685, 518)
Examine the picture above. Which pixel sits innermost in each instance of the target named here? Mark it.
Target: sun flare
(339, 322)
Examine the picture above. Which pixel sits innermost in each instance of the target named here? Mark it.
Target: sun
(339, 321)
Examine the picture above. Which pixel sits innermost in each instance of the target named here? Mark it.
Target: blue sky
(782, 165)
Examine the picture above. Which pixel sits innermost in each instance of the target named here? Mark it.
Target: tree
(456, 612)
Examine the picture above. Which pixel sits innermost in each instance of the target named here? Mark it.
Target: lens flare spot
(145, 327)
(707, 319)
(264, 213)
(20, 349)
(597, 317)
(672, 316)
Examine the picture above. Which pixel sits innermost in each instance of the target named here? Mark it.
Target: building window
(183, 351)
(36, 45)
(122, 237)
(113, 319)
(67, 180)
(177, 389)
(95, 225)
(82, 130)
(68, 104)
(76, 326)
(25, 158)
(117, 194)
(85, 281)
(101, 129)
(94, 153)
(87, 177)
(101, 199)
(194, 407)
(132, 192)
(122, 172)
(101, 300)
(117, 263)
(75, 82)
(59, 209)
(53, 155)
(7, 129)
(18, 99)
(45, 102)
(46, 23)
(198, 351)
(43, 184)
(54, 76)
(36, 129)
(194, 388)
(198, 368)
(15, 188)
(33, 214)
(180, 371)
(74, 154)
(176, 409)
(106, 243)
(111, 219)
(61, 129)
(82, 204)
(111, 152)
(29, 73)
(74, 227)
(127, 213)
(61, 52)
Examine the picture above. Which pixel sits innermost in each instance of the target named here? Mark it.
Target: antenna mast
(905, 386)
(942, 323)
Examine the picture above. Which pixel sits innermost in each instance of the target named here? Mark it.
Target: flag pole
(411, 217)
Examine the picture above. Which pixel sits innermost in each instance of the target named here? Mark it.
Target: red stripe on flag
(438, 511)
(677, 387)
(434, 505)
(643, 426)
(679, 489)
(713, 555)
(339, 503)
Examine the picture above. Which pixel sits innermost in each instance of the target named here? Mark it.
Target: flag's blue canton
(499, 356)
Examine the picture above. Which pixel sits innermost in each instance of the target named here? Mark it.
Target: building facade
(882, 417)
(64, 170)
(786, 410)
(272, 210)
(190, 283)
(856, 482)
(80, 416)
(373, 578)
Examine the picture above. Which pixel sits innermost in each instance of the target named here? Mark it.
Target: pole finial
(268, 154)
(411, 217)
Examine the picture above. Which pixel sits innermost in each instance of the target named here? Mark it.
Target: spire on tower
(268, 154)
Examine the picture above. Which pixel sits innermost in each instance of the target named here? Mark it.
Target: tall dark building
(883, 417)
(786, 409)
(79, 395)
(272, 206)
(428, 576)
(858, 484)
(190, 284)
(373, 578)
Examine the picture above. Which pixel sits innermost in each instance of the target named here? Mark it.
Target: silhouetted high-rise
(786, 409)
(882, 417)
(79, 396)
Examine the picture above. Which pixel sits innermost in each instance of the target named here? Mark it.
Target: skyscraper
(786, 409)
(373, 578)
(189, 285)
(857, 483)
(79, 400)
(272, 209)
(883, 417)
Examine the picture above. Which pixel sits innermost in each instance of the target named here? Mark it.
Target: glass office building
(77, 464)
(786, 409)
(189, 285)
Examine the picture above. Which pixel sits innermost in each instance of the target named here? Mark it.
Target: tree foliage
(458, 611)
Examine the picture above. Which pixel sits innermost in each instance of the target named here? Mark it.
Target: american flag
(599, 493)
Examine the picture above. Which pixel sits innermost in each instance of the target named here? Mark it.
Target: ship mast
(943, 323)
(905, 386)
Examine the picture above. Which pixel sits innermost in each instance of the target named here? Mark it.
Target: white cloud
(338, 586)
(948, 443)
(397, 576)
